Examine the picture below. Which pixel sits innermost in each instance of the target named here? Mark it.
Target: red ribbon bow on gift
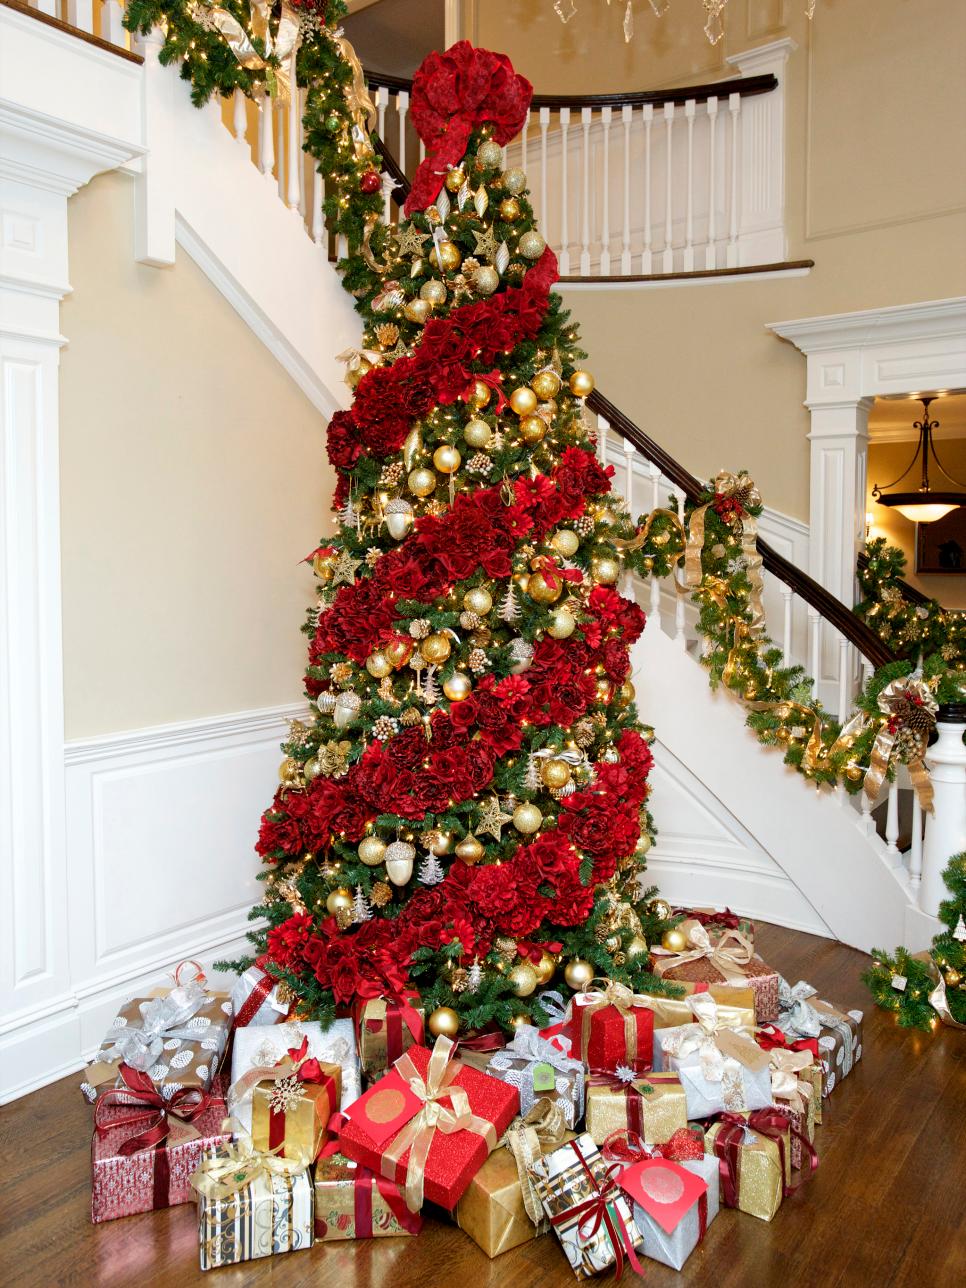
(305, 1067)
(389, 983)
(769, 1036)
(153, 1118)
(601, 1209)
(729, 1138)
(626, 1147)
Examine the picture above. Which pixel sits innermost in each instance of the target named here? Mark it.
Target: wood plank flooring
(886, 1208)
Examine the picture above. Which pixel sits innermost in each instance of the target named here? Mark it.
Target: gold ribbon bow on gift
(730, 953)
(612, 994)
(417, 1135)
(238, 1164)
(786, 1085)
(542, 1130)
(354, 358)
(715, 1037)
(278, 49)
(741, 492)
(910, 712)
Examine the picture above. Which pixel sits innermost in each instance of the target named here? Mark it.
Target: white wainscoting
(161, 827)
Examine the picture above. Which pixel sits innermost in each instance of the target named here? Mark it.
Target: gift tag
(543, 1077)
(899, 983)
(385, 1108)
(664, 1190)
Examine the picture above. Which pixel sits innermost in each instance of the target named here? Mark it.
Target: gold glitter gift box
(653, 1105)
(756, 1150)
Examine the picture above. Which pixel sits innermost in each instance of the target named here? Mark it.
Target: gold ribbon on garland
(278, 49)
(361, 107)
(636, 543)
(909, 709)
(741, 489)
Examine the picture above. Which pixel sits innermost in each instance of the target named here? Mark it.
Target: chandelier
(924, 506)
(714, 27)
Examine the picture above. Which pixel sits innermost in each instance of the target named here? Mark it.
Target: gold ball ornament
(515, 180)
(952, 977)
(434, 292)
(326, 702)
(578, 974)
(555, 773)
(480, 395)
(372, 851)
(659, 908)
(418, 311)
(675, 941)
(510, 209)
(399, 651)
(605, 570)
(489, 154)
(339, 898)
(636, 947)
(533, 429)
(448, 256)
(581, 384)
(322, 566)
(469, 850)
(458, 687)
(522, 979)
(565, 541)
(422, 482)
(447, 459)
(455, 179)
(378, 664)
(288, 770)
(644, 843)
(545, 968)
(524, 401)
(477, 433)
(527, 818)
(478, 601)
(311, 769)
(520, 1021)
(438, 842)
(546, 385)
(435, 649)
(531, 245)
(444, 1022)
(562, 624)
(486, 279)
(541, 591)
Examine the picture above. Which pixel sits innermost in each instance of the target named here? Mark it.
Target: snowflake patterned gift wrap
(721, 1068)
(251, 1205)
(590, 1215)
(264, 1046)
(175, 1035)
(537, 1068)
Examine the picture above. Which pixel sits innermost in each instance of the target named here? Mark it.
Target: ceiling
(891, 419)
(394, 36)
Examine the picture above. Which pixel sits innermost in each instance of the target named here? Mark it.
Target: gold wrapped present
(351, 1202)
(653, 1105)
(251, 1205)
(793, 1091)
(755, 1149)
(736, 1005)
(385, 1029)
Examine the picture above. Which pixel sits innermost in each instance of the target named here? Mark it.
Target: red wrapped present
(612, 1027)
(725, 958)
(429, 1124)
(145, 1148)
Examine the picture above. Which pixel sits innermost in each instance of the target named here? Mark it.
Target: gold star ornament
(492, 818)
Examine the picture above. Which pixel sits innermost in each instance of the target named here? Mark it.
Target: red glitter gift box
(607, 1034)
(390, 1126)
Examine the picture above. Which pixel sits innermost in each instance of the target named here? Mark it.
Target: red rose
(286, 941)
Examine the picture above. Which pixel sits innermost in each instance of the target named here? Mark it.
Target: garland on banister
(910, 629)
(895, 711)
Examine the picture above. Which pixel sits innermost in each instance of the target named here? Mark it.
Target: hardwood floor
(886, 1207)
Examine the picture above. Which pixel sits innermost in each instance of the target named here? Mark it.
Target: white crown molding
(53, 154)
(929, 320)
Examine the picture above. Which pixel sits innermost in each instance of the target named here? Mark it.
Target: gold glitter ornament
(605, 570)
(555, 773)
(477, 433)
(562, 624)
(435, 649)
(434, 292)
(514, 180)
(448, 256)
(489, 154)
(372, 851)
(527, 818)
(422, 482)
(486, 279)
(478, 600)
(531, 244)
(533, 429)
(378, 664)
(566, 542)
(418, 311)
(541, 591)
(522, 979)
(636, 947)
(509, 209)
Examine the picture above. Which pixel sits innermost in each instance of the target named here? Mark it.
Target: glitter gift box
(612, 1027)
(175, 1035)
(352, 1202)
(257, 998)
(793, 1089)
(270, 1212)
(126, 1179)
(385, 1030)
(574, 1186)
(291, 1103)
(389, 1128)
(538, 1068)
(674, 1203)
(757, 1158)
(266, 1045)
(719, 958)
(653, 1105)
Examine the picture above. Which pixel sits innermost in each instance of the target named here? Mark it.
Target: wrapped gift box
(757, 1158)
(573, 1184)
(538, 1068)
(385, 1030)
(175, 1035)
(257, 998)
(264, 1046)
(382, 1127)
(674, 1203)
(125, 1179)
(721, 1069)
(736, 1006)
(716, 958)
(612, 1028)
(716, 921)
(271, 1212)
(351, 1202)
(837, 1032)
(793, 1091)
(653, 1105)
(289, 1103)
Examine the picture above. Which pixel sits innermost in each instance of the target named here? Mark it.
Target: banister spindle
(80, 14)
(627, 117)
(112, 24)
(293, 188)
(667, 259)
(815, 646)
(915, 849)
(239, 118)
(630, 451)
(318, 214)
(602, 427)
(266, 137)
(710, 250)
(523, 143)
(280, 153)
(892, 826)
(604, 270)
(564, 193)
(382, 102)
(787, 596)
(654, 474)
(680, 636)
(734, 108)
(646, 256)
(845, 658)
(402, 107)
(544, 127)
(586, 114)
(688, 265)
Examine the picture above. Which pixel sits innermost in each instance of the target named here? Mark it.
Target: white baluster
(866, 821)
(80, 14)
(710, 250)
(787, 596)
(585, 120)
(402, 107)
(544, 126)
(266, 139)
(815, 647)
(48, 6)
(868, 670)
(734, 107)
(648, 118)
(239, 118)
(388, 188)
(946, 825)
(503, 162)
(523, 144)
(301, 154)
(280, 153)
(318, 214)
(679, 605)
(382, 102)
(629, 453)
(627, 116)
(892, 826)
(667, 259)
(689, 208)
(844, 661)
(293, 188)
(602, 427)
(605, 117)
(564, 193)
(112, 24)
(654, 474)
(915, 849)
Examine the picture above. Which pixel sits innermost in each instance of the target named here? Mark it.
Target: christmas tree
(475, 775)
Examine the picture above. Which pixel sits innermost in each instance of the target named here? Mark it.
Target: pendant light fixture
(924, 506)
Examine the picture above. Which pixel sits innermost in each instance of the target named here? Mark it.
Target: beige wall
(193, 481)
(876, 195)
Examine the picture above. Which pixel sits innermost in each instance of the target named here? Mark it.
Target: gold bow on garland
(278, 48)
(361, 107)
(910, 711)
(734, 495)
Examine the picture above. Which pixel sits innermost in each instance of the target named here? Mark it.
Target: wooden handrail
(70, 30)
(913, 595)
(747, 87)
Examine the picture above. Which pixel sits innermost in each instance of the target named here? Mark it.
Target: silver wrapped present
(672, 1248)
(538, 1067)
(720, 1066)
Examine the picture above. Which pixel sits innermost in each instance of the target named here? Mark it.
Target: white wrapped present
(721, 1067)
(256, 999)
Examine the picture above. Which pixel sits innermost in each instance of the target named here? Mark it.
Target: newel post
(946, 826)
